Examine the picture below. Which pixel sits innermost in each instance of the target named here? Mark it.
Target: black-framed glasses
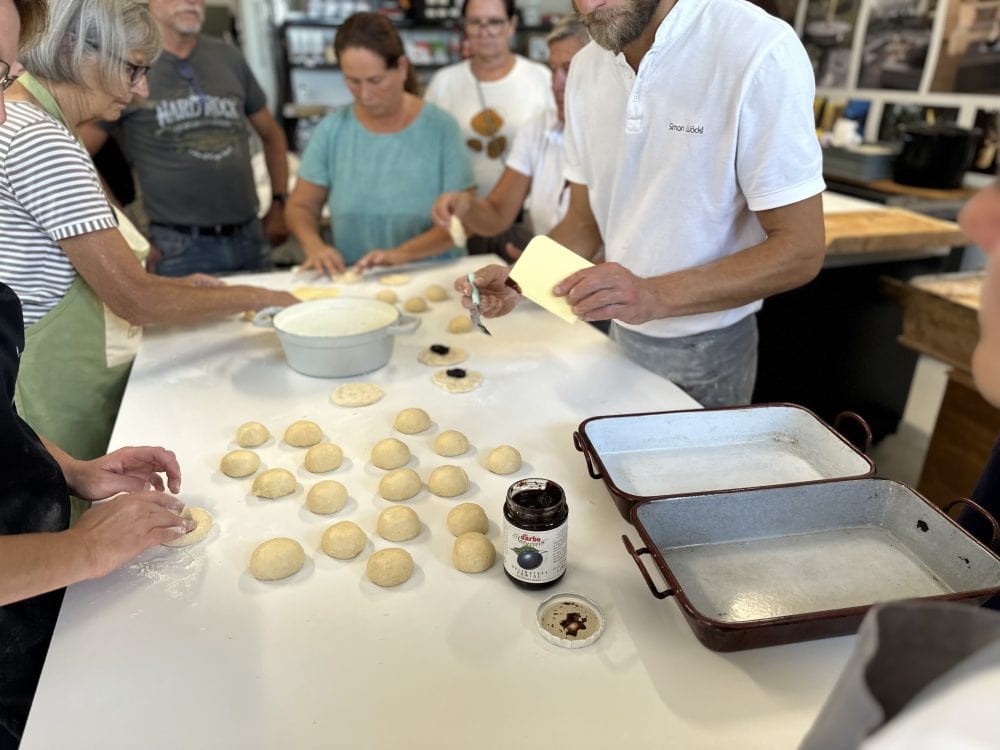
(6, 79)
(490, 25)
(187, 72)
(135, 72)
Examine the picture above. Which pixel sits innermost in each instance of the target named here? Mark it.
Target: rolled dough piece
(451, 443)
(306, 293)
(303, 433)
(394, 279)
(504, 459)
(390, 567)
(239, 463)
(347, 277)
(199, 532)
(398, 523)
(387, 295)
(436, 293)
(276, 559)
(473, 553)
(356, 394)
(467, 517)
(399, 484)
(412, 420)
(455, 384)
(343, 540)
(326, 497)
(390, 454)
(251, 434)
(460, 324)
(457, 231)
(448, 481)
(415, 305)
(324, 457)
(274, 483)
(446, 355)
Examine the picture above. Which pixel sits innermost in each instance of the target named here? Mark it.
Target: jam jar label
(534, 556)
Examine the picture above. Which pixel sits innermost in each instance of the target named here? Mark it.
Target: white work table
(183, 648)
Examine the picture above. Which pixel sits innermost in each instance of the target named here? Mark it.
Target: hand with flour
(130, 469)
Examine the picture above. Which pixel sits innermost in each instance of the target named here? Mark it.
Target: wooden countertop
(887, 230)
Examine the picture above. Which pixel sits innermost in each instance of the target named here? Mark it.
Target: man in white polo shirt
(692, 156)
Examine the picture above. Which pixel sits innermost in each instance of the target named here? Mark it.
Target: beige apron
(77, 357)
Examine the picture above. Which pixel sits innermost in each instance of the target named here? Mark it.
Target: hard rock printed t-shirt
(189, 139)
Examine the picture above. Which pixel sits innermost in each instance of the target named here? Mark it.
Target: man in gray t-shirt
(188, 143)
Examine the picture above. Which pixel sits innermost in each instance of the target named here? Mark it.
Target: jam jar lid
(570, 620)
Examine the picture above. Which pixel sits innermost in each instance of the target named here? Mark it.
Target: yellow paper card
(542, 265)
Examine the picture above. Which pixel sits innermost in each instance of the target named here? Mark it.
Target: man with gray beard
(188, 143)
(691, 155)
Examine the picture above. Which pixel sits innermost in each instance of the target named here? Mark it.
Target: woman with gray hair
(533, 176)
(65, 254)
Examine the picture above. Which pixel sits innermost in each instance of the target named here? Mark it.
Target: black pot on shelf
(935, 156)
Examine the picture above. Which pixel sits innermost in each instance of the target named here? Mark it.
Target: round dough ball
(324, 457)
(303, 433)
(467, 517)
(343, 540)
(326, 497)
(503, 459)
(390, 454)
(276, 559)
(411, 421)
(387, 295)
(199, 532)
(274, 483)
(251, 434)
(415, 305)
(390, 567)
(448, 481)
(398, 523)
(399, 484)
(451, 443)
(239, 463)
(473, 553)
(436, 293)
(460, 324)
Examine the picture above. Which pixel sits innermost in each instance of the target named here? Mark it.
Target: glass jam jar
(534, 533)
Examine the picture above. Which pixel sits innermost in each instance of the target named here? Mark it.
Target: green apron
(71, 380)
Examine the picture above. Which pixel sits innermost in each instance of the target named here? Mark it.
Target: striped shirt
(49, 192)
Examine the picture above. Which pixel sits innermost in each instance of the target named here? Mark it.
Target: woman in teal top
(380, 163)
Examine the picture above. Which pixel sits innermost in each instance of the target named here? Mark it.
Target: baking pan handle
(642, 568)
(859, 420)
(982, 512)
(580, 446)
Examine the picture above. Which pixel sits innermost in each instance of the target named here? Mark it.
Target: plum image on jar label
(535, 533)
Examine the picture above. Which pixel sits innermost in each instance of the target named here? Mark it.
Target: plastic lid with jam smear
(570, 620)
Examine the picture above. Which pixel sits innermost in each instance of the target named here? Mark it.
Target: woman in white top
(533, 176)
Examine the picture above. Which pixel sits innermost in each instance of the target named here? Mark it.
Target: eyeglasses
(490, 25)
(187, 72)
(6, 79)
(135, 72)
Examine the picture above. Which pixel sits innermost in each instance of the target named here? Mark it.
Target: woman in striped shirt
(84, 292)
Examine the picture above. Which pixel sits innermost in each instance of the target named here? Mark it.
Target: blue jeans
(186, 252)
(715, 368)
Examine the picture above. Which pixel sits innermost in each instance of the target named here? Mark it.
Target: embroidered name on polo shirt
(699, 129)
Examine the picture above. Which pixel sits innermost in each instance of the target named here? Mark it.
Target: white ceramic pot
(338, 337)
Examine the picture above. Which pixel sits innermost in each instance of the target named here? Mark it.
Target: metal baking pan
(776, 565)
(673, 453)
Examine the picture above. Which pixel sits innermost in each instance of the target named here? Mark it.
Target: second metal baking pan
(781, 564)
